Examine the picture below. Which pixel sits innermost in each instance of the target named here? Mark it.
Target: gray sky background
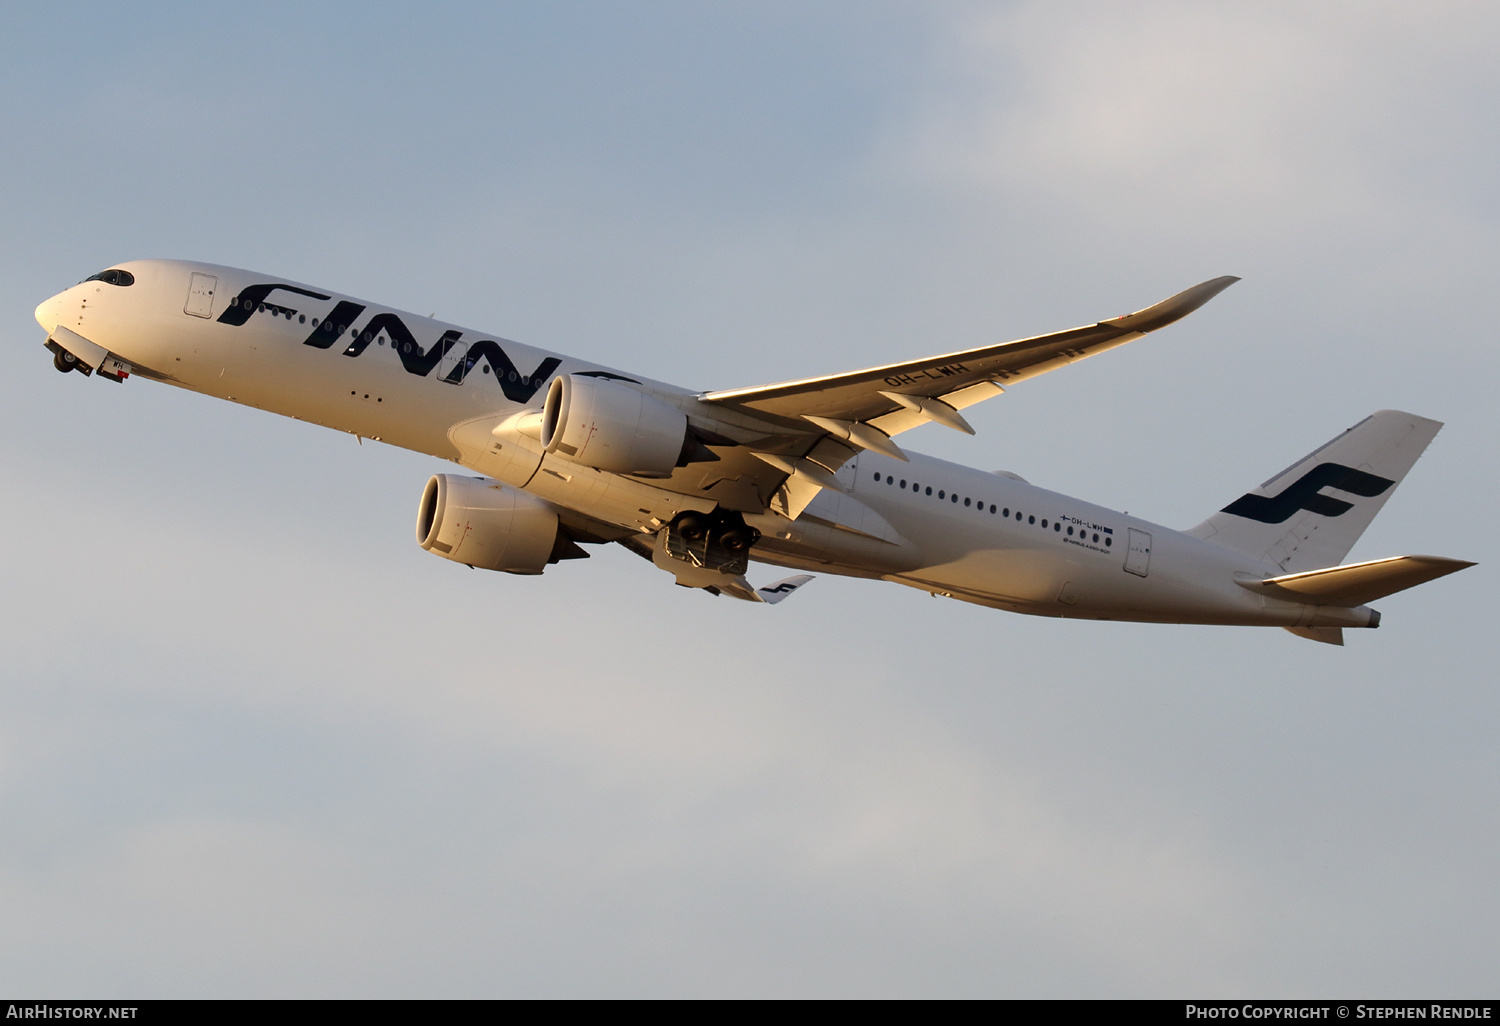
(254, 742)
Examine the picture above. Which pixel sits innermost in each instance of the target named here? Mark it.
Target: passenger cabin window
(113, 276)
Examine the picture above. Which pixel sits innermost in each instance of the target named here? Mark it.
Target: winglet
(1173, 309)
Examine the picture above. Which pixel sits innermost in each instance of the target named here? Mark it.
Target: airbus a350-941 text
(804, 474)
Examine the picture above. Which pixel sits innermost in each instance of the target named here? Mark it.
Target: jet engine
(488, 525)
(610, 426)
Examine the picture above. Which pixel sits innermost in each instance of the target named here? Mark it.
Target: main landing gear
(719, 541)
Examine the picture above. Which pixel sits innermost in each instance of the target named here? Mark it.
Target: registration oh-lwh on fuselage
(803, 474)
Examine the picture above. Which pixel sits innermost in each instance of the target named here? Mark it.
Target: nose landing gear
(110, 368)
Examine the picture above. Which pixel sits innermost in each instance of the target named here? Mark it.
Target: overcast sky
(255, 742)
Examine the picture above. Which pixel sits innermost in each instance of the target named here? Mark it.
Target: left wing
(789, 440)
(866, 407)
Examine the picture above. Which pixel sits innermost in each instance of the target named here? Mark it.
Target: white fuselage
(382, 374)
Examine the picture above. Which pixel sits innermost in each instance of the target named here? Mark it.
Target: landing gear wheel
(692, 528)
(64, 361)
(738, 539)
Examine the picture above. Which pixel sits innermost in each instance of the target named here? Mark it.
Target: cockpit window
(113, 276)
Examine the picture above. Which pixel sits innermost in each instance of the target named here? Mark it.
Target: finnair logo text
(341, 327)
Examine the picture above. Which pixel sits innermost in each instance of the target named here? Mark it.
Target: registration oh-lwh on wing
(803, 474)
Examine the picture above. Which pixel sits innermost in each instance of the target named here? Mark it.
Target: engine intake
(610, 426)
(488, 525)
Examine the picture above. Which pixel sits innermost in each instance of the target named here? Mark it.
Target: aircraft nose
(49, 313)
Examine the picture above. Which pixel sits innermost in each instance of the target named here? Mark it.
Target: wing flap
(914, 411)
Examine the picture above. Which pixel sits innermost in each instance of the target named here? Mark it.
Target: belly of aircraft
(1044, 582)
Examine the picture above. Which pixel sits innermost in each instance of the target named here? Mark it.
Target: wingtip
(1174, 308)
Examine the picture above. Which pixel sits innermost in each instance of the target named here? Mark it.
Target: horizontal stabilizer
(1358, 583)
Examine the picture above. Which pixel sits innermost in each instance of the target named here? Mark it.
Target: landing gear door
(200, 300)
(1138, 558)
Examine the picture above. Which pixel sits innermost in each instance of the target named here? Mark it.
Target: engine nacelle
(486, 524)
(610, 426)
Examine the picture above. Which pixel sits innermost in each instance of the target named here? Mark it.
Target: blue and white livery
(803, 474)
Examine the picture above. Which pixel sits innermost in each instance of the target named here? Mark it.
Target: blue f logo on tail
(1306, 493)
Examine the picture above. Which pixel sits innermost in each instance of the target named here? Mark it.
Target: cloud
(253, 741)
(1174, 116)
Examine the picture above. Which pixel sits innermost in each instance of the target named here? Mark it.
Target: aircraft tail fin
(1311, 514)
(774, 593)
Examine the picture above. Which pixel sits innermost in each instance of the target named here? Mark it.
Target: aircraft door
(1138, 557)
(200, 299)
(450, 359)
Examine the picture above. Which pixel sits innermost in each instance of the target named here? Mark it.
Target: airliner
(806, 475)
